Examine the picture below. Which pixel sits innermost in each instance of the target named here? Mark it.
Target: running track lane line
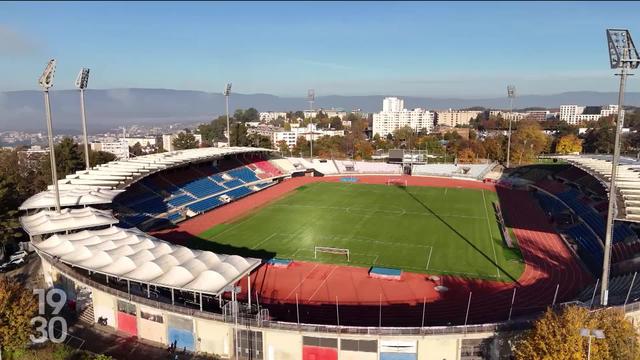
(301, 281)
(322, 283)
(495, 257)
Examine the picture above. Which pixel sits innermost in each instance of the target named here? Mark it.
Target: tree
(261, 141)
(239, 135)
(527, 142)
(569, 144)
(466, 156)
(282, 146)
(363, 150)
(17, 307)
(302, 147)
(136, 149)
(494, 147)
(600, 136)
(69, 158)
(184, 141)
(556, 335)
(100, 157)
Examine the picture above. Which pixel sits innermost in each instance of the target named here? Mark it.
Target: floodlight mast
(46, 82)
(227, 92)
(311, 97)
(511, 94)
(623, 56)
(81, 83)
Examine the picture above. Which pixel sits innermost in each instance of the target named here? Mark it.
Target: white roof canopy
(49, 221)
(75, 197)
(131, 254)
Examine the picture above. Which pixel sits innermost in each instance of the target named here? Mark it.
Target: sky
(431, 49)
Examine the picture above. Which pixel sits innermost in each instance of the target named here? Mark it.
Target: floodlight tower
(81, 83)
(311, 97)
(46, 82)
(227, 92)
(623, 56)
(511, 94)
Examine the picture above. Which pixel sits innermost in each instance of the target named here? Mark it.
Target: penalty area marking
(429, 260)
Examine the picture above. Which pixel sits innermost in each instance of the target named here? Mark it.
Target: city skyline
(462, 49)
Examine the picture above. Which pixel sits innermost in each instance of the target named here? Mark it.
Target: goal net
(331, 250)
(396, 182)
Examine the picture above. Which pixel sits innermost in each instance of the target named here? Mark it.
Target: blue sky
(462, 49)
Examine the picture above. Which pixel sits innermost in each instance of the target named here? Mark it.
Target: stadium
(245, 254)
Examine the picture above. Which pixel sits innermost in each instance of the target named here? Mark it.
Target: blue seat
(243, 173)
(233, 183)
(239, 192)
(203, 187)
(180, 200)
(204, 205)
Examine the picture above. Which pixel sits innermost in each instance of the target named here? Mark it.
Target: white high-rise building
(392, 104)
(575, 114)
(394, 116)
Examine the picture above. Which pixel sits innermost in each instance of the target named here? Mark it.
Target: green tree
(69, 157)
(239, 135)
(100, 157)
(260, 141)
(556, 335)
(136, 149)
(302, 148)
(599, 136)
(283, 147)
(17, 307)
(214, 131)
(184, 140)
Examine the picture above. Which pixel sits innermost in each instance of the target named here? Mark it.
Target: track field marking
(445, 192)
(322, 283)
(301, 281)
(495, 257)
(263, 241)
(429, 260)
(350, 209)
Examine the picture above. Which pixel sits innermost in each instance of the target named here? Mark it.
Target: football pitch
(417, 229)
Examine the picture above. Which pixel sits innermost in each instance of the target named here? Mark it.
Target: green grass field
(418, 229)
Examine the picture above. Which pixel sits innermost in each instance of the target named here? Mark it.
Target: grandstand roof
(92, 186)
(72, 197)
(627, 182)
(133, 255)
(48, 221)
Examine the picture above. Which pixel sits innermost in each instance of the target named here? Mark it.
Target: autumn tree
(569, 144)
(184, 140)
(17, 307)
(282, 146)
(556, 335)
(466, 156)
(527, 142)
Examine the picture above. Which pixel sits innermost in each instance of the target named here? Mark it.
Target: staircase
(86, 316)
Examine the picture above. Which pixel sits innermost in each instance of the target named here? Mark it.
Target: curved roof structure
(627, 180)
(133, 255)
(49, 221)
(87, 187)
(71, 197)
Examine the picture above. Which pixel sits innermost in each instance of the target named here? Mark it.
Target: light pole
(589, 333)
(227, 92)
(624, 56)
(511, 94)
(81, 83)
(46, 82)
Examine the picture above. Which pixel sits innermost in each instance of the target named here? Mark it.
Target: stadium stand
(618, 289)
(475, 171)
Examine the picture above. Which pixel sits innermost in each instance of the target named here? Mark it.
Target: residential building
(454, 118)
(309, 132)
(118, 148)
(144, 141)
(30, 159)
(394, 116)
(268, 116)
(575, 114)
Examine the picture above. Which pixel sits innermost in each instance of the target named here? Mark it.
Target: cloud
(14, 43)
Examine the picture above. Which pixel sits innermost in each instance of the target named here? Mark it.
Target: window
(151, 317)
(126, 308)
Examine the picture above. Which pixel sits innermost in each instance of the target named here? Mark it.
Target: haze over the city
(461, 50)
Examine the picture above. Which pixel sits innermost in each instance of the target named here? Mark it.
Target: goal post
(396, 182)
(331, 250)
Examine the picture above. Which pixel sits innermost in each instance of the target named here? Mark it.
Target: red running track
(549, 264)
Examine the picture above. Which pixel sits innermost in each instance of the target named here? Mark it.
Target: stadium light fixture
(511, 94)
(591, 333)
(623, 56)
(227, 92)
(81, 83)
(46, 82)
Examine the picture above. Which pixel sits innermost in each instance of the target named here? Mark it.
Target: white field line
(301, 281)
(429, 260)
(263, 241)
(495, 257)
(322, 283)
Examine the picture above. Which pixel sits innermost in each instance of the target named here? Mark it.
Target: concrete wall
(215, 337)
(282, 345)
(104, 305)
(152, 330)
(439, 348)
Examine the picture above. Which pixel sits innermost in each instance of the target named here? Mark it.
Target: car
(18, 255)
(17, 262)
